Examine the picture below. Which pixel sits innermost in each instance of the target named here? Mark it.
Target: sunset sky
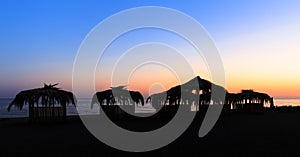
(258, 41)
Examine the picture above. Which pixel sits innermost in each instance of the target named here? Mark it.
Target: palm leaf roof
(46, 96)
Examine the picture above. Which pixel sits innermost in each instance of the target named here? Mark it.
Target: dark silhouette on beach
(249, 101)
(114, 100)
(233, 134)
(118, 95)
(47, 103)
(111, 99)
(195, 93)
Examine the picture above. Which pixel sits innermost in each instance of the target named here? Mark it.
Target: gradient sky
(259, 42)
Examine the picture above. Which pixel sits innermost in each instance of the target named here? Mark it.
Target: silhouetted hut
(251, 101)
(118, 102)
(47, 103)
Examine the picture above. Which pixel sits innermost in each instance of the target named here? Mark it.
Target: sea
(84, 107)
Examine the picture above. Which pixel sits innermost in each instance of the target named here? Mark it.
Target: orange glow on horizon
(275, 88)
(148, 79)
(153, 83)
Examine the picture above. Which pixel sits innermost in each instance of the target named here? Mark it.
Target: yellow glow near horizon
(145, 79)
(266, 61)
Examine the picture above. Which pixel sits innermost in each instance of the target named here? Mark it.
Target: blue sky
(40, 39)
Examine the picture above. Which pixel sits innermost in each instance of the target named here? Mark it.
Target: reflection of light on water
(193, 108)
(84, 108)
(287, 102)
(147, 108)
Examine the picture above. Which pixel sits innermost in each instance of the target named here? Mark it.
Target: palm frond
(46, 96)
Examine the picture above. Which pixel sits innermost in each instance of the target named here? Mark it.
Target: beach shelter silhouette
(47, 103)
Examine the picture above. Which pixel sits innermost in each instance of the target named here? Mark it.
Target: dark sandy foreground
(270, 134)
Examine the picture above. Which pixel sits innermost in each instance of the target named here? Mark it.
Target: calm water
(84, 108)
(287, 102)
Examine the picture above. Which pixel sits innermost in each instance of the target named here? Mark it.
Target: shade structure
(45, 102)
(249, 101)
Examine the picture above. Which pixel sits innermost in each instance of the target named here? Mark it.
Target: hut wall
(250, 108)
(47, 113)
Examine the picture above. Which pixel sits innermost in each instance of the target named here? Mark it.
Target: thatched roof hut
(45, 102)
(249, 101)
(250, 96)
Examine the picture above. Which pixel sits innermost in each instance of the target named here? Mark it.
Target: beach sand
(268, 134)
